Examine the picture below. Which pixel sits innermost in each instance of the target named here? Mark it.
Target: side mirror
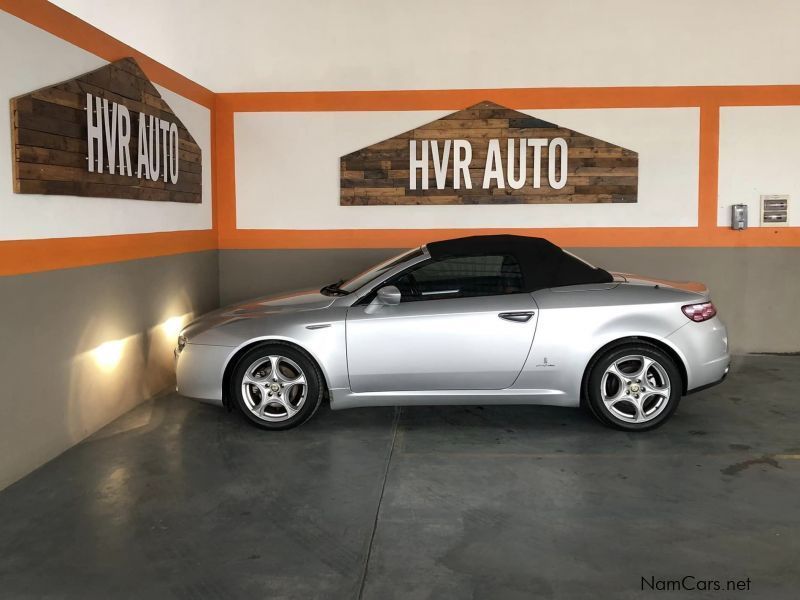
(388, 296)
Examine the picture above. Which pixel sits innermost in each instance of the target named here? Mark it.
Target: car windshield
(362, 279)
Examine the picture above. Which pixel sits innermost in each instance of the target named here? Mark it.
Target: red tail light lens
(700, 312)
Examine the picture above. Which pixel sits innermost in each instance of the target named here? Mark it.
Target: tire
(620, 395)
(293, 392)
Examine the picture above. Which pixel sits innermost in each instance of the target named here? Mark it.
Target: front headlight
(181, 342)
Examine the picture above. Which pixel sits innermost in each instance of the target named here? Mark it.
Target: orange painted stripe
(581, 237)
(708, 179)
(516, 98)
(225, 172)
(214, 166)
(70, 28)
(29, 256)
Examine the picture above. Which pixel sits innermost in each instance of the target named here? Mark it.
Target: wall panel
(287, 171)
(83, 346)
(419, 44)
(41, 59)
(758, 154)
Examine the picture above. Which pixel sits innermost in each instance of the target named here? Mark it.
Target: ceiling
(268, 45)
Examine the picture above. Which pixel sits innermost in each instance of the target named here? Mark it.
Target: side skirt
(344, 398)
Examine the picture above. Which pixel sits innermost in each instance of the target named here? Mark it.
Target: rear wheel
(635, 387)
(276, 386)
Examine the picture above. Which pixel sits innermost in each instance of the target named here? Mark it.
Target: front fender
(321, 334)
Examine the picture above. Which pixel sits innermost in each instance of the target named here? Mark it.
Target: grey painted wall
(755, 289)
(57, 387)
(250, 273)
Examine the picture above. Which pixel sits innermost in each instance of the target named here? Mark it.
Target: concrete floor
(181, 500)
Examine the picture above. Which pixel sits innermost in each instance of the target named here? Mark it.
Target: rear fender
(568, 338)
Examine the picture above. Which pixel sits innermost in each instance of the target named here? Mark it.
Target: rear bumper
(712, 384)
(705, 351)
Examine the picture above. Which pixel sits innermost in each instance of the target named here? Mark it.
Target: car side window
(462, 277)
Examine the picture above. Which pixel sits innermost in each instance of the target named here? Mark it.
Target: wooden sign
(105, 134)
(487, 154)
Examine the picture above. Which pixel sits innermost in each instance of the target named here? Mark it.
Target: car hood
(307, 300)
(258, 307)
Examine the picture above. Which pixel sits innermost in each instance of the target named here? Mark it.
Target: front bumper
(199, 369)
(705, 351)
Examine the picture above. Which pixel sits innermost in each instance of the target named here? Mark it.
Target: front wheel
(276, 386)
(635, 387)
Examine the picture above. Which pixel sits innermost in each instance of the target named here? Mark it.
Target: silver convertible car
(477, 320)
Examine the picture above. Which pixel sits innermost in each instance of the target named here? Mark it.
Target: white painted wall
(32, 59)
(287, 172)
(758, 155)
(268, 45)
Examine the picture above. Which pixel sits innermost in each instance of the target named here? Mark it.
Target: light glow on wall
(108, 354)
(172, 326)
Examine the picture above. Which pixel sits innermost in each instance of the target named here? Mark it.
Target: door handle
(517, 317)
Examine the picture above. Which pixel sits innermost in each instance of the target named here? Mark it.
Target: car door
(463, 323)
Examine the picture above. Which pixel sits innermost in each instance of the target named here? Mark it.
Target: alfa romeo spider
(477, 320)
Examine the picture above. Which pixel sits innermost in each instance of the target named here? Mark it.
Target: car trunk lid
(686, 286)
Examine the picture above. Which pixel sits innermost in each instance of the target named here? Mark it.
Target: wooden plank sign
(488, 154)
(105, 134)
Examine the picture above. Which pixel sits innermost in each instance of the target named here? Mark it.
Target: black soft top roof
(543, 264)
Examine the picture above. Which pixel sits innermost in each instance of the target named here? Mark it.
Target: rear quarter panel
(577, 321)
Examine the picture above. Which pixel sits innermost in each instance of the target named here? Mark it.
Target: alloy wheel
(635, 388)
(274, 388)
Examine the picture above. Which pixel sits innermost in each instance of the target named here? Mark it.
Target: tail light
(700, 312)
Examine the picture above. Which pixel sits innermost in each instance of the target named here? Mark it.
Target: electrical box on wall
(739, 216)
(775, 210)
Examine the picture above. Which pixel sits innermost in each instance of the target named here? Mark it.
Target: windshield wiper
(333, 289)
